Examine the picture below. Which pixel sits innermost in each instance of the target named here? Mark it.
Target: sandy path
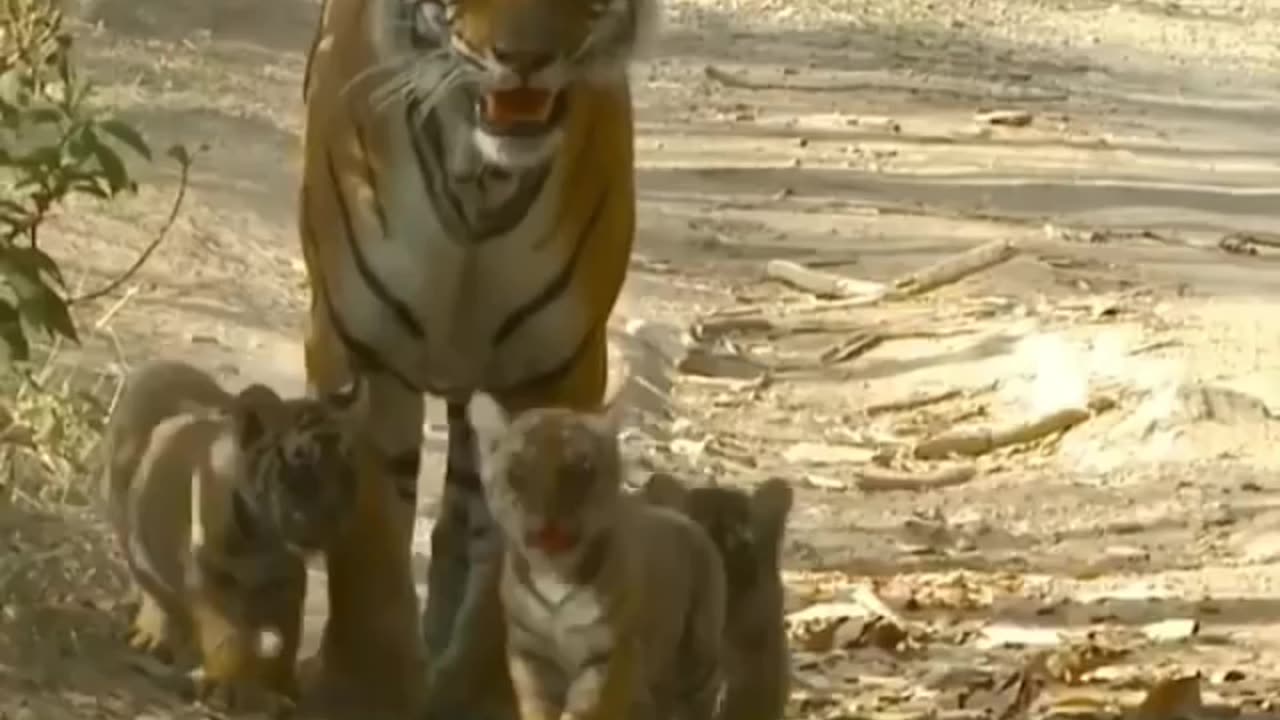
(842, 133)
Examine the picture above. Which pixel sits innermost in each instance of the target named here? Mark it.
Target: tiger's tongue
(521, 106)
(553, 539)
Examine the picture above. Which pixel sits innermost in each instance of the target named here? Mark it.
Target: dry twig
(954, 269)
(972, 442)
(819, 282)
(947, 271)
(873, 478)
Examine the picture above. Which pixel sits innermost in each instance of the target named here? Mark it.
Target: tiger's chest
(457, 308)
(556, 620)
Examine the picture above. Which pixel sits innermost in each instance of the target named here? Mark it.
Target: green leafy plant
(54, 145)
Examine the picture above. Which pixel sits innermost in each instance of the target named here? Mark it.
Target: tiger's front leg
(371, 655)
(462, 621)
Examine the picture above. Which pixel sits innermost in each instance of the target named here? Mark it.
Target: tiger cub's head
(552, 477)
(517, 61)
(299, 459)
(747, 528)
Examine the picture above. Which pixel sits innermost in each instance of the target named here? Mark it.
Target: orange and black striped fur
(216, 500)
(614, 608)
(467, 215)
(747, 529)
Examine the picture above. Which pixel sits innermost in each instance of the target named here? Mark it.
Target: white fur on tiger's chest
(571, 617)
(470, 298)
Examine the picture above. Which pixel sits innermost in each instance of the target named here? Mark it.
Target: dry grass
(56, 565)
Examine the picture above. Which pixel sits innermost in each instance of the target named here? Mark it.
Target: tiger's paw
(394, 692)
(151, 633)
(238, 696)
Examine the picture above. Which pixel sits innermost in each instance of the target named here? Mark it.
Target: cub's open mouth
(522, 111)
(552, 540)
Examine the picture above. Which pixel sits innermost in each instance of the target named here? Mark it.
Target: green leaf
(35, 259)
(43, 116)
(114, 169)
(91, 187)
(127, 135)
(38, 304)
(12, 337)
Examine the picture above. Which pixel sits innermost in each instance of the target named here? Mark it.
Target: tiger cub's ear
(253, 410)
(665, 490)
(488, 420)
(770, 507)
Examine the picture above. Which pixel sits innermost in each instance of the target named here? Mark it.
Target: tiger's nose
(524, 62)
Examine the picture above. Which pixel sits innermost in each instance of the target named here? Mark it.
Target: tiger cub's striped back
(614, 608)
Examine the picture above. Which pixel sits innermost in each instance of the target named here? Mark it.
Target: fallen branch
(818, 282)
(953, 269)
(913, 402)
(917, 400)
(851, 348)
(944, 272)
(872, 478)
(972, 442)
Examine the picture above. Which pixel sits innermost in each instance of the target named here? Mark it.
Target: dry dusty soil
(1128, 149)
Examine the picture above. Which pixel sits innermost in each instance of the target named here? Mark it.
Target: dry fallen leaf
(1016, 695)
(813, 629)
(1172, 699)
(1071, 663)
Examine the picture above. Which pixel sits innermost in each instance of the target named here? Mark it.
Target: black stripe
(243, 517)
(466, 480)
(521, 625)
(556, 373)
(438, 191)
(706, 681)
(520, 568)
(426, 139)
(311, 52)
(370, 177)
(596, 659)
(407, 463)
(560, 282)
(535, 654)
(363, 355)
(593, 558)
(404, 468)
(460, 457)
(398, 307)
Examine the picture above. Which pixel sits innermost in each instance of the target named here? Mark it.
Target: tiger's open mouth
(521, 111)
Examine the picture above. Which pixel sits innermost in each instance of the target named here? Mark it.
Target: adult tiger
(467, 214)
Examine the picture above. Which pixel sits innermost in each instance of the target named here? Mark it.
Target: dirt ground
(1126, 148)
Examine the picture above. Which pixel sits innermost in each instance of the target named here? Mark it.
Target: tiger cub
(216, 499)
(613, 607)
(748, 530)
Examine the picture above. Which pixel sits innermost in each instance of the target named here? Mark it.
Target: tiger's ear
(253, 410)
(665, 490)
(488, 420)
